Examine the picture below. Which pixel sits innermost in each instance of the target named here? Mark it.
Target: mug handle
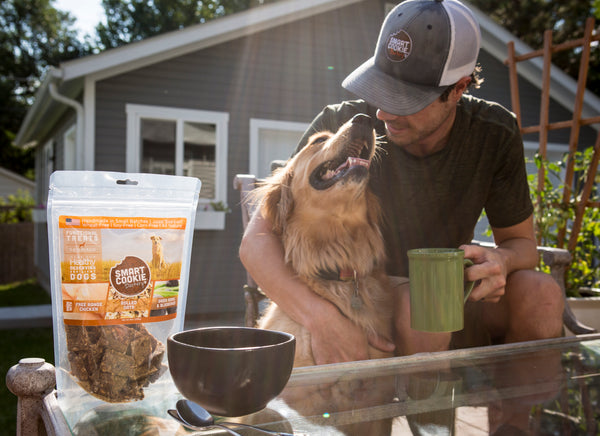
(468, 285)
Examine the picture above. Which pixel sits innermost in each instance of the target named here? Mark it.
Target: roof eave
(41, 104)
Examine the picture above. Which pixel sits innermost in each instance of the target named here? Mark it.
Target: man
(445, 157)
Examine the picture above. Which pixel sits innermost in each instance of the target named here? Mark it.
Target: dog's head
(328, 177)
(155, 239)
(340, 158)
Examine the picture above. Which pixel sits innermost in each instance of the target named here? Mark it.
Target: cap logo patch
(399, 46)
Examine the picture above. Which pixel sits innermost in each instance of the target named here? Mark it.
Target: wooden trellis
(574, 124)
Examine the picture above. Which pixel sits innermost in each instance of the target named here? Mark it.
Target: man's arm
(516, 250)
(333, 337)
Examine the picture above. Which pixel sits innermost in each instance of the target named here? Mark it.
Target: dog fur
(328, 220)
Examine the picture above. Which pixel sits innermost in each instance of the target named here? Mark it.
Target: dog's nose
(362, 119)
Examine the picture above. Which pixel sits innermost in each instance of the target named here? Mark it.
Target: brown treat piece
(141, 348)
(118, 339)
(114, 363)
(117, 363)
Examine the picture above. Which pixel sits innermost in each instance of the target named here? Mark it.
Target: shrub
(16, 208)
(551, 214)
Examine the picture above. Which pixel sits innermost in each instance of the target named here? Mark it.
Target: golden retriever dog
(158, 258)
(329, 222)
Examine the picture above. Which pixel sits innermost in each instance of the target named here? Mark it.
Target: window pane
(199, 160)
(158, 146)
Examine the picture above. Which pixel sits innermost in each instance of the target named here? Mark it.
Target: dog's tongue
(349, 163)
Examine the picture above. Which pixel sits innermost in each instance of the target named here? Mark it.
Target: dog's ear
(277, 201)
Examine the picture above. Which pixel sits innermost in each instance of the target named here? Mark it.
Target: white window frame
(258, 124)
(206, 219)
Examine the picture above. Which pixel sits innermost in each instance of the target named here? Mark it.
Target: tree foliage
(134, 20)
(33, 36)
(528, 19)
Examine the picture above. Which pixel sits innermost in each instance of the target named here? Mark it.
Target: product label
(120, 270)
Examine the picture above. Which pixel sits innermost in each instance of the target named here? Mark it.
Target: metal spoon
(198, 416)
(181, 421)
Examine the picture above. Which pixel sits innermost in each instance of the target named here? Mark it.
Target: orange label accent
(102, 222)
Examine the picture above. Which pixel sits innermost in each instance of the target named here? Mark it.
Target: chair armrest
(558, 259)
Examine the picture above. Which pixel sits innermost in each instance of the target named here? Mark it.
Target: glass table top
(548, 387)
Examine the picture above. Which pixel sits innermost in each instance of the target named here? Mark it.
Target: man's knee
(535, 289)
(536, 304)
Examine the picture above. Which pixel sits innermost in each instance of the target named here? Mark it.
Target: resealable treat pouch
(120, 247)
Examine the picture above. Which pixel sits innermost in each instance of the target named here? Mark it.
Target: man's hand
(334, 338)
(516, 251)
(489, 272)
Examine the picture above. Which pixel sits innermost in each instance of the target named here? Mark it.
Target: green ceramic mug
(437, 289)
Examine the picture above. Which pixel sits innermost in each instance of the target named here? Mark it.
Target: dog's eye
(319, 139)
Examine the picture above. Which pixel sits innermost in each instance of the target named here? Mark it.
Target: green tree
(528, 19)
(133, 20)
(33, 36)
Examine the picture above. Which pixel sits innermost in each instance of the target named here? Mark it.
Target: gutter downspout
(80, 117)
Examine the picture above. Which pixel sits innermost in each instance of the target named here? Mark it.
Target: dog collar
(345, 275)
(342, 275)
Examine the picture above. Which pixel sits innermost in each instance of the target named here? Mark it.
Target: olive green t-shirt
(435, 201)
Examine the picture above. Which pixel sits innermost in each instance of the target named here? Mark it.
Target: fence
(16, 252)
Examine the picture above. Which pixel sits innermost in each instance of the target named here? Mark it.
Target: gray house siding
(287, 73)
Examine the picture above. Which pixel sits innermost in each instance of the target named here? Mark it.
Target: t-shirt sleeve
(509, 200)
(332, 117)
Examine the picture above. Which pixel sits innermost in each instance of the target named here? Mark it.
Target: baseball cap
(423, 47)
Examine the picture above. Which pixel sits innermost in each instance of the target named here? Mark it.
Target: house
(227, 97)
(11, 183)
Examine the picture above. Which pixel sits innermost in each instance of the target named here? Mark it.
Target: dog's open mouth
(352, 162)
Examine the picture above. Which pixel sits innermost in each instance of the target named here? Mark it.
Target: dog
(158, 258)
(329, 222)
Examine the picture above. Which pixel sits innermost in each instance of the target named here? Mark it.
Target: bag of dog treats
(120, 247)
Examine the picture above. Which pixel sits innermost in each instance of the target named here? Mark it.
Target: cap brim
(387, 93)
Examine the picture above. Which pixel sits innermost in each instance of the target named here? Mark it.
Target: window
(183, 142)
(272, 140)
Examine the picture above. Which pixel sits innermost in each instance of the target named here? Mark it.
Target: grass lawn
(18, 343)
